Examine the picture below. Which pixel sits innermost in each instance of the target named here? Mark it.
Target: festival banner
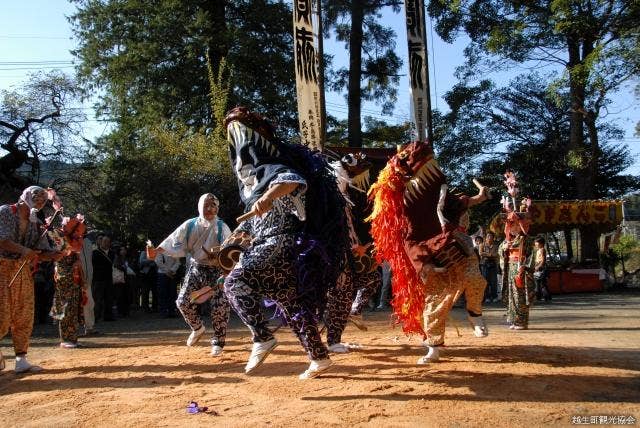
(418, 66)
(307, 74)
(548, 216)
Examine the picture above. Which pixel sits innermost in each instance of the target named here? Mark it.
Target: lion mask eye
(349, 160)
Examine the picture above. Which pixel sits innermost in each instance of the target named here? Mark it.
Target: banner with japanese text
(418, 66)
(548, 216)
(307, 74)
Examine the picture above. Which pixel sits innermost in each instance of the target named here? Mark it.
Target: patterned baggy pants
(341, 303)
(519, 303)
(444, 289)
(199, 276)
(16, 304)
(267, 270)
(68, 309)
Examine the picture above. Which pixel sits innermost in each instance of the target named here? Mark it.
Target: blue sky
(36, 35)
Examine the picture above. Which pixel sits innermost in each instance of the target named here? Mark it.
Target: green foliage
(520, 127)
(625, 247)
(577, 159)
(596, 44)
(166, 72)
(147, 59)
(219, 97)
(377, 133)
(534, 129)
(147, 186)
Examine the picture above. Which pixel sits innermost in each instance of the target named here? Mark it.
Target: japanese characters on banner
(576, 212)
(418, 65)
(555, 215)
(307, 74)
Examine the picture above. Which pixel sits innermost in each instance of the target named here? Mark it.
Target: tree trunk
(589, 244)
(584, 159)
(576, 124)
(355, 74)
(218, 45)
(567, 240)
(589, 238)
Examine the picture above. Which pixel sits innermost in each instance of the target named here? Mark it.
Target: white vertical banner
(418, 66)
(305, 39)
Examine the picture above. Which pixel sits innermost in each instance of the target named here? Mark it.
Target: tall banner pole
(308, 78)
(419, 69)
(323, 104)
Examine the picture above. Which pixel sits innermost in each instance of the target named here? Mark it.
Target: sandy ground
(581, 357)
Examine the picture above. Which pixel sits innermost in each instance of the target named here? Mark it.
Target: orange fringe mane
(388, 228)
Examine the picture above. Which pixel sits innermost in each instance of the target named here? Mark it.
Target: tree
(624, 248)
(594, 41)
(147, 59)
(380, 134)
(521, 127)
(357, 24)
(166, 72)
(38, 123)
(144, 187)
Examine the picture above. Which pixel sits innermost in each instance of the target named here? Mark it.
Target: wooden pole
(323, 105)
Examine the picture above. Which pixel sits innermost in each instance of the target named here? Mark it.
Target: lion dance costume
(298, 246)
(361, 277)
(418, 226)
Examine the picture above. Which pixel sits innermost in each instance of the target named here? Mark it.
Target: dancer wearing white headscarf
(21, 240)
(199, 240)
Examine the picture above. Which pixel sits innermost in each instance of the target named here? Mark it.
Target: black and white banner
(307, 74)
(418, 66)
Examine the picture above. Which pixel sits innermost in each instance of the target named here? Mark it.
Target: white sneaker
(338, 348)
(479, 327)
(316, 368)
(23, 366)
(259, 352)
(68, 345)
(216, 351)
(195, 336)
(358, 321)
(433, 354)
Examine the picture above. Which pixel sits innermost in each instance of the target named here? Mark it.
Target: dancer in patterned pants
(296, 210)
(366, 286)
(21, 241)
(200, 238)
(352, 292)
(195, 279)
(446, 288)
(69, 279)
(267, 269)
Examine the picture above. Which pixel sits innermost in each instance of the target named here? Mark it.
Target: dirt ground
(581, 358)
